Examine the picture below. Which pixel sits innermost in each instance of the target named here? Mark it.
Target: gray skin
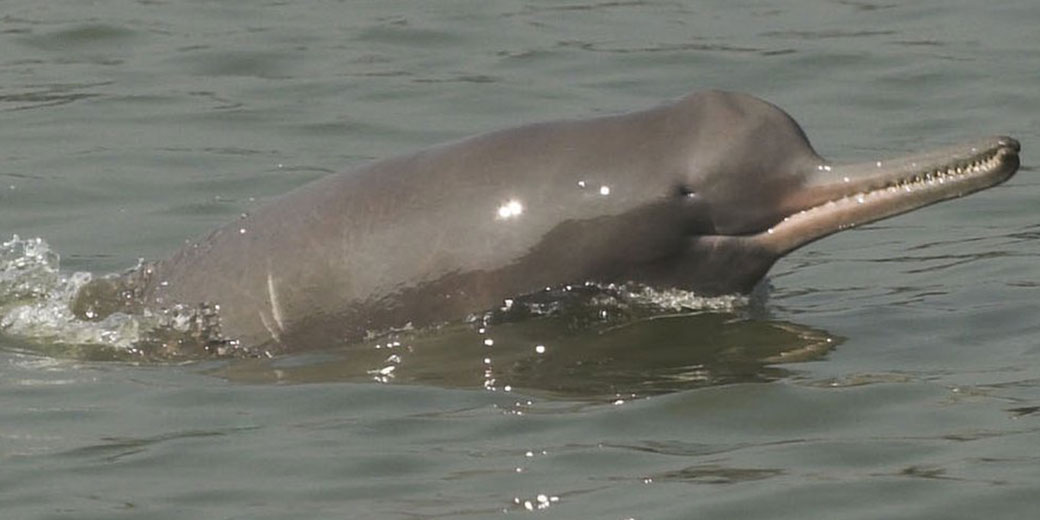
(703, 194)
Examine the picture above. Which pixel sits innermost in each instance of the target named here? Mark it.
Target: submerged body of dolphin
(703, 194)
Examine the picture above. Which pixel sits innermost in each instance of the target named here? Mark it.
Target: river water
(910, 382)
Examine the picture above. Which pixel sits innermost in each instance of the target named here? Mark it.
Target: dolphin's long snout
(1009, 142)
(843, 196)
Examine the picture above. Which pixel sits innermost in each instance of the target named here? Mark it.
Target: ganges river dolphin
(703, 194)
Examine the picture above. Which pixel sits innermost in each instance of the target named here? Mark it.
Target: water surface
(129, 127)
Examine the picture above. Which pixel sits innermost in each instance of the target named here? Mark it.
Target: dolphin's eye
(683, 190)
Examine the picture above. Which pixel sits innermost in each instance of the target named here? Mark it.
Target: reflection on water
(551, 355)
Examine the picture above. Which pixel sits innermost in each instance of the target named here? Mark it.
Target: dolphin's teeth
(955, 172)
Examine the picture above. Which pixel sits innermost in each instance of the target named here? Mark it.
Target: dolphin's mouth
(841, 197)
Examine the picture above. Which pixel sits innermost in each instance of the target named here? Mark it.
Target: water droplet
(510, 209)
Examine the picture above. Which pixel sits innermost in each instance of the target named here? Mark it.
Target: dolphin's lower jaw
(859, 194)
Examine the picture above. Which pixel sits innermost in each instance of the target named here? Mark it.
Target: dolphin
(703, 194)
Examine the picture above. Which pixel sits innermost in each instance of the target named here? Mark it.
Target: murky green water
(128, 127)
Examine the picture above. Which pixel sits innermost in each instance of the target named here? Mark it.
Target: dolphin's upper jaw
(840, 197)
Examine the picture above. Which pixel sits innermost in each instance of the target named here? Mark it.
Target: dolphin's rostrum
(704, 194)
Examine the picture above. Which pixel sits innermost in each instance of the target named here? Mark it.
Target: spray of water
(35, 312)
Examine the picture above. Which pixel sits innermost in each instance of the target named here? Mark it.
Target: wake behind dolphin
(703, 194)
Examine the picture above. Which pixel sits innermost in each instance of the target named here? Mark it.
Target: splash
(593, 303)
(680, 300)
(34, 296)
(35, 313)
